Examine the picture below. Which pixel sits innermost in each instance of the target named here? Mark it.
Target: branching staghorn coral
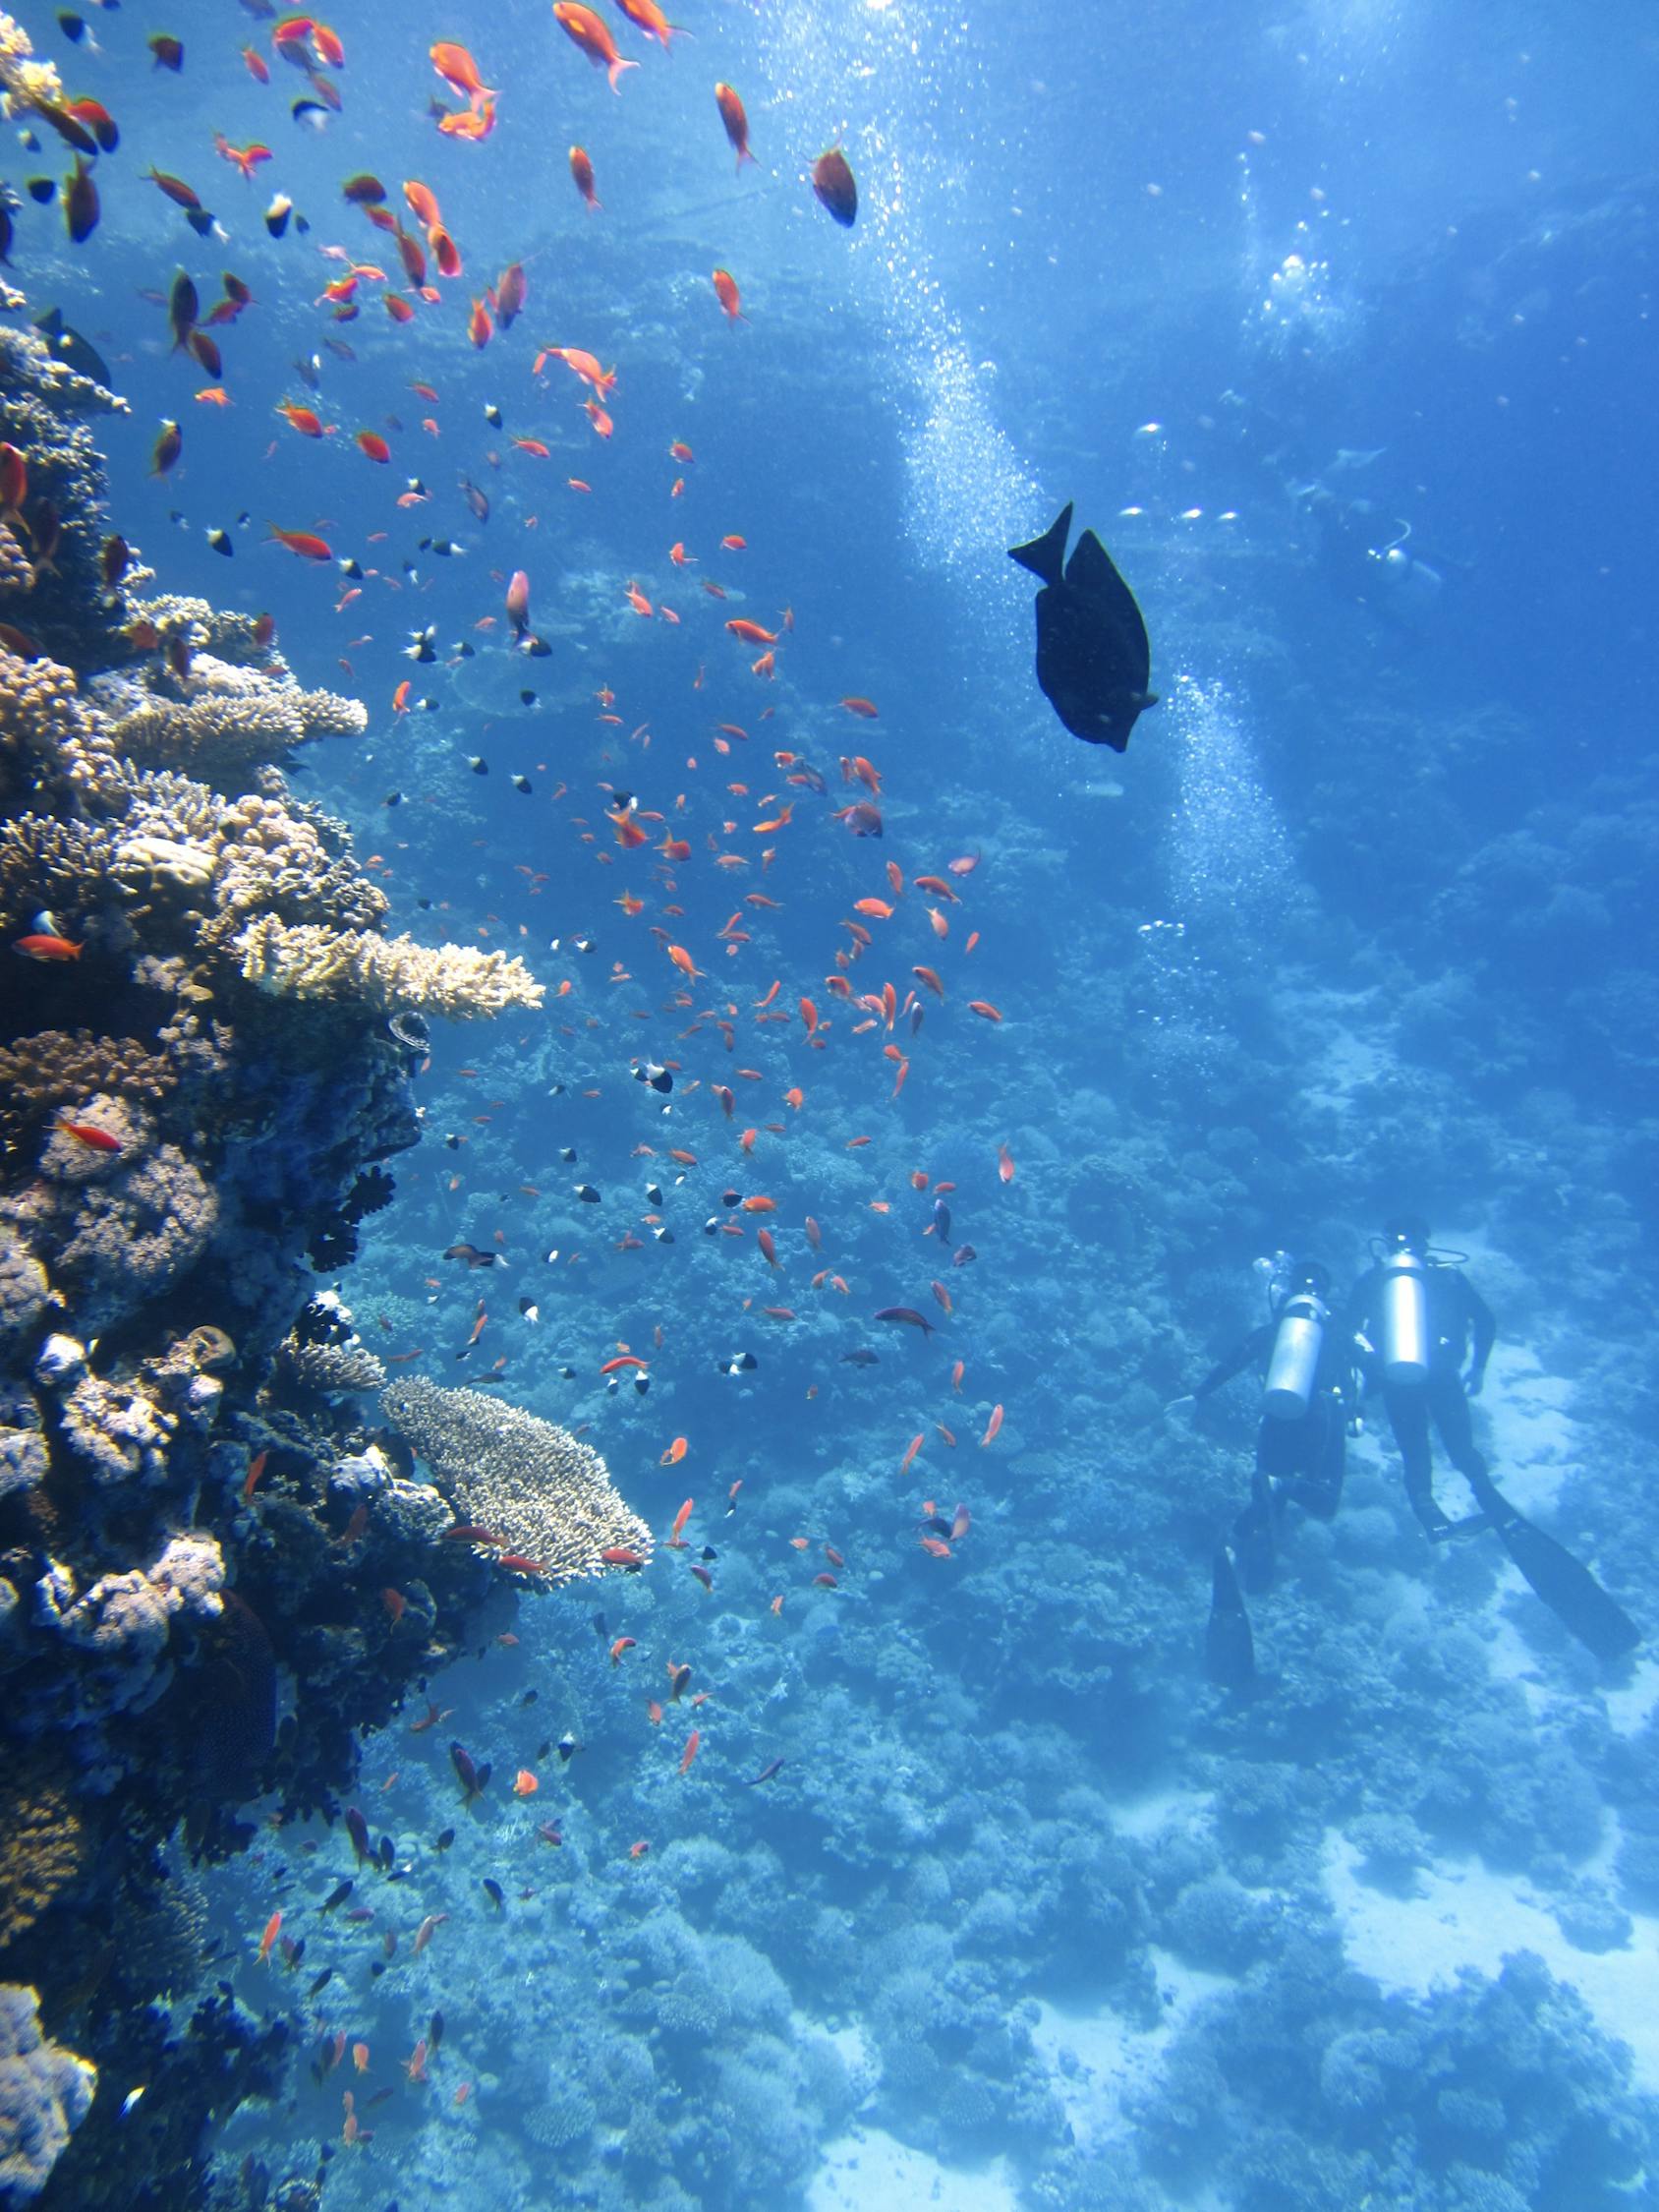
(50, 744)
(64, 867)
(390, 974)
(547, 1497)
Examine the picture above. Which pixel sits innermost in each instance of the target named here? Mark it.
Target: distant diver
(1310, 1388)
(1417, 1316)
(1093, 659)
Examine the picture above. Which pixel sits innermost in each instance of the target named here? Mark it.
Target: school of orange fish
(900, 955)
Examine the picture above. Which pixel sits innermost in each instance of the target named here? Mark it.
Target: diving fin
(1045, 556)
(1229, 1651)
(1569, 1590)
(1252, 1539)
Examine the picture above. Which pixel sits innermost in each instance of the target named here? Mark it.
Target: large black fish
(71, 347)
(1092, 655)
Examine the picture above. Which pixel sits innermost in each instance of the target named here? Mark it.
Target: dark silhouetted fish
(1229, 1651)
(1093, 659)
(70, 347)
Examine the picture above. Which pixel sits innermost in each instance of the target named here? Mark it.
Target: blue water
(1032, 1914)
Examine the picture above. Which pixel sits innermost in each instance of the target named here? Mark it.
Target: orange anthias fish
(690, 1752)
(646, 15)
(582, 171)
(304, 419)
(725, 290)
(457, 68)
(305, 543)
(582, 363)
(736, 121)
(273, 1928)
(585, 29)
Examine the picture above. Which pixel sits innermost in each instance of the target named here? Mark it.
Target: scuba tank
(1402, 1318)
(1294, 1361)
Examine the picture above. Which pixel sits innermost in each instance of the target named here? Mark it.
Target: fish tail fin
(615, 69)
(1045, 556)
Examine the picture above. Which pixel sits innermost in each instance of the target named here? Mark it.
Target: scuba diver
(1415, 1318)
(1308, 1366)
(1362, 550)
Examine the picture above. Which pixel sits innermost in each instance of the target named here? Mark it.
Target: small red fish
(88, 1133)
(585, 29)
(735, 118)
(47, 947)
(582, 172)
(305, 543)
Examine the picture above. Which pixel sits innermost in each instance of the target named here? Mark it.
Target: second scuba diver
(1307, 1363)
(1308, 1392)
(1417, 1314)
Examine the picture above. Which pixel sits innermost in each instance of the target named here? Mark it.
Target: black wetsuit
(1461, 1325)
(1304, 1457)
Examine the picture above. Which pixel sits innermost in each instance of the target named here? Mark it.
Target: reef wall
(206, 1051)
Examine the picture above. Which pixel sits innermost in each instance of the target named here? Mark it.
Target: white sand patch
(1629, 1708)
(1142, 1816)
(1349, 1059)
(1467, 1916)
(871, 2171)
(1533, 1442)
(1096, 2059)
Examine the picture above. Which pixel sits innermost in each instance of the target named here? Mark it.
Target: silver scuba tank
(1294, 1360)
(1402, 1319)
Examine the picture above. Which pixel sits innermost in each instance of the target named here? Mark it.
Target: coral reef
(198, 1092)
(45, 2093)
(547, 1497)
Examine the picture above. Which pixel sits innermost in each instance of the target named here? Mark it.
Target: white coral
(392, 974)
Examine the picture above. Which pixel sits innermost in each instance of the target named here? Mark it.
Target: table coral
(391, 974)
(547, 1497)
(219, 721)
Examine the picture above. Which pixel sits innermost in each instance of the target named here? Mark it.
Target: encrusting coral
(547, 1497)
(45, 2093)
